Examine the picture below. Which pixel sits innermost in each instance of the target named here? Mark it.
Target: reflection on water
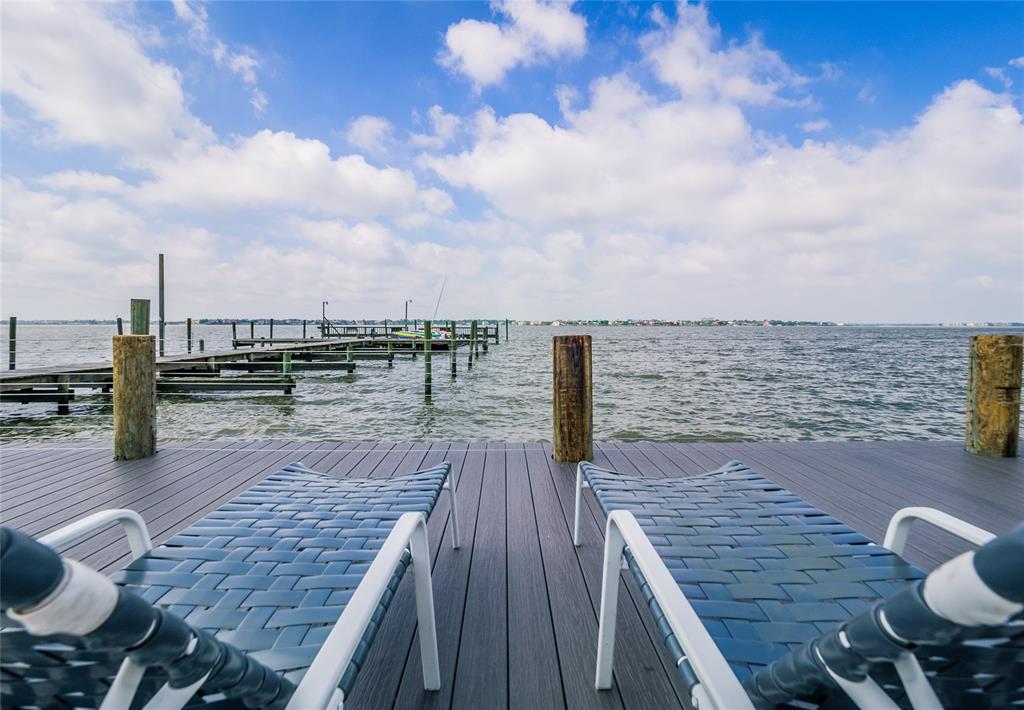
(654, 384)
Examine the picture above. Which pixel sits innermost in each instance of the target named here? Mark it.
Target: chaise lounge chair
(272, 601)
(764, 601)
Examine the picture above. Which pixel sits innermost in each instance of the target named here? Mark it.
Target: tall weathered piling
(160, 303)
(427, 375)
(12, 342)
(993, 394)
(234, 335)
(572, 399)
(140, 316)
(252, 330)
(188, 335)
(134, 396)
(271, 328)
(120, 326)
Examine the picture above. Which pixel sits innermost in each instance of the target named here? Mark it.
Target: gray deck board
(517, 605)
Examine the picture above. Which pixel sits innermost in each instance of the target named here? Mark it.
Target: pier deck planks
(516, 606)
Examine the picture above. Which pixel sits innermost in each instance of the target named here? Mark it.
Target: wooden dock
(516, 606)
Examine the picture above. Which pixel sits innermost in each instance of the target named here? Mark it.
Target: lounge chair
(272, 601)
(763, 600)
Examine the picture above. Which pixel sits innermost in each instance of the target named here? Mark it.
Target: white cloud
(691, 56)
(816, 126)
(371, 134)
(866, 94)
(443, 125)
(279, 170)
(243, 62)
(78, 69)
(530, 31)
(1018, 62)
(83, 181)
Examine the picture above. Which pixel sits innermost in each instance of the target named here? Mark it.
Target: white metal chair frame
(319, 686)
(718, 687)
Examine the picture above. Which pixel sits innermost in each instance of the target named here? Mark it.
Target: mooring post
(993, 394)
(497, 332)
(349, 356)
(140, 316)
(469, 358)
(134, 396)
(120, 326)
(476, 339)
(391, 352)
(12, 341)
(453, 347)
(487, 335)
(188, 335)
(303, 328)
(427, 338)
(64, 387)
(202, 345)
(286, 363)
(234, 335)
(572, 402)
(252, 331)
(506, 330)
(160, 304)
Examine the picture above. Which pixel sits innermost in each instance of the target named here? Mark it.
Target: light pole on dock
(406, 321)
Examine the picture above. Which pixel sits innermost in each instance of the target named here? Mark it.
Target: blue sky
(848, 161)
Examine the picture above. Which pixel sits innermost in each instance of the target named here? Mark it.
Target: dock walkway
(517, 605)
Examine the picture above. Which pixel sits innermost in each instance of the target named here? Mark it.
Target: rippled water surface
(655, 384)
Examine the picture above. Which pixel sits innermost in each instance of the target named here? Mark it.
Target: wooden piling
(234, 335)
(134, 396)
(271, 328)
(303, 328)
(453, 348)
(391, 352)
(349, 355)
(120, 326)
(160, 304)
(188, 335)
(469, 358)
(286, 363)
(202, 345)
(497, 332)
(252, 330)
(64, 387)
(487, 334)
(993, 395)
(12, 342)
(427, 375)
(506, 330)
(140, 316)
(572, 399)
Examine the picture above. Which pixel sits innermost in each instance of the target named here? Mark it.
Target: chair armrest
(899, 527)
(134, 529)
(718, 683)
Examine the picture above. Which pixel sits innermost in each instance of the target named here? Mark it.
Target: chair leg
(450, 485)
(427, 626)
(613, 549)
(579, 502)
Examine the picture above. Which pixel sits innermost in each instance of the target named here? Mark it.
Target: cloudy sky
(857, 162)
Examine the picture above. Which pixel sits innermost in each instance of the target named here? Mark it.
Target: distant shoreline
(644, 323)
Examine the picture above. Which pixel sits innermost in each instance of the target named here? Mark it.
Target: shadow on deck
(517, 605)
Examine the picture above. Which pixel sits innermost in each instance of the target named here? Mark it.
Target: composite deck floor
(517, 605)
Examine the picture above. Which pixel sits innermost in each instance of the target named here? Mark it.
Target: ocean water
(650, 384)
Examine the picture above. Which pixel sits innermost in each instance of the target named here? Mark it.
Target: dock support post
(453, 347)
(497, 332)
(12, 342)
(506, 330)
(120, 326)
(134, 396)
(188, 335)
(993, 395)
(64, 387)
(271, 328)
(234, 335)
(160, 304)
(252, 330)
(202, 345)
(427, 375)
(303, 328)
(286, 363)
(487, 335)
(349, 356)
(140, 316)
(572, 399)
(469, 358)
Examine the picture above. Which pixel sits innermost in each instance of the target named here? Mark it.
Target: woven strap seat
(269, 573)
(766, 573)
